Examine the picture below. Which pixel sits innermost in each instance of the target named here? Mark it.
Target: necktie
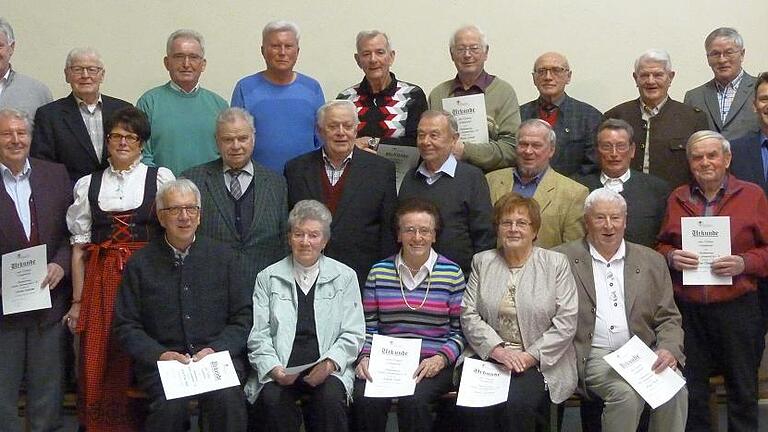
(234, 183)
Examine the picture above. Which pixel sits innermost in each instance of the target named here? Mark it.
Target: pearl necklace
(402, 292)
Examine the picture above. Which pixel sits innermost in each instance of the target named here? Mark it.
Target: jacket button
(593, 310)
(590, 335)
(187, 317)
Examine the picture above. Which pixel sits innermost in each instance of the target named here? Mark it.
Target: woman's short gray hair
(707, 134)
(181, 185)
(305, 210)
(604, 195)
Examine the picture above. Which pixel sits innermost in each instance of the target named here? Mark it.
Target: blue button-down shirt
(20, 191)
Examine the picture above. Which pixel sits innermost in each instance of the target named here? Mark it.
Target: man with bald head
(70, 130)
(574, 122)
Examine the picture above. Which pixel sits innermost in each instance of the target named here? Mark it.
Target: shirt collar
(481, 83)
(622, 178)
(82, 102)
(365, 87)
(557, 102)
(7, 75)
(698, 191)
(734, 83)
(428, 265)
(343, 163)
(123, 172)
(181, 90)
(619, 255)
(247, 168)
(763, 140)
(448, 167)
(177, 253)
(25, 171)
(536, 180)
(655, 110)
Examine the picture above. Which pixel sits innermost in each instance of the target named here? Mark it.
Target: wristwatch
(373, 143)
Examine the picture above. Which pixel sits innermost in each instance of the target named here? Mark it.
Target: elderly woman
(306, 312)
(112, 216)
(414, 294)
(520, 310)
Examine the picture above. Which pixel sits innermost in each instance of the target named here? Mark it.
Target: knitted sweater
(24, 93)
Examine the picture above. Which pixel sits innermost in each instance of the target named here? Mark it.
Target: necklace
(402, 292)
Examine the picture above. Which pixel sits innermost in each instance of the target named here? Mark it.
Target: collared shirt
(615, 184)
(4, 80)
(335, 173)
(726, 93)
(709, 205)
(305, 277)
(448, 168)
(20, 190)
(244, 178)
(481, 83)
(647, 113)
(94, 124)
(526, 189)
(611, 328)
(411, 281)
(181, 90)
(179, 254)
(764, 153)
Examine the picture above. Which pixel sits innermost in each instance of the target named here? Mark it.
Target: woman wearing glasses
(113, 215)
(520, 311)
(414, 294)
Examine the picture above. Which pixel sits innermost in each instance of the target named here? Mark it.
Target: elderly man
(70, 130)
(665, 123)
(624, 290)
(244, 203)
(33, 204)
(356, 186)
(722, 324)
(388, 109)
(469, 51)
(725, 98)
(457, 188)
(574, 122)
(183, 297)
(282, 102)
(181, 112)
(17, 90)
(645, 194)
(561, 199)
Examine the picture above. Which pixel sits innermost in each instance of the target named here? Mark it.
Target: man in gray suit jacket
(726, 97)
(244, 204)
(624, 290)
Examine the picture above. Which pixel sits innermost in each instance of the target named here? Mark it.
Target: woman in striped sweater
(414, 294)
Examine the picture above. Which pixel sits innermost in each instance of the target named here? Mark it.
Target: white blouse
(120, 191)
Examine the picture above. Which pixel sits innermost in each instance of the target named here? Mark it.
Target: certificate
(23, 272)
(710, 238)
(469, 112)
(392, 365)
(404, 157)
(633, 362)
(215, 371)
(483, 384)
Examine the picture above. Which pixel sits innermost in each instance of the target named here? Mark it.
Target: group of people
(170, 222)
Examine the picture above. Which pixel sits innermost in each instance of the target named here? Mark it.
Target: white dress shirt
(20, 191)
(411, 281)
(611, 328)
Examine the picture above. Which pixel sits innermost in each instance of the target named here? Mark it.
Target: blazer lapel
(545, 190)
(11, 227)
(582, 270)
(632, 276)
(312, 173)
(713, 106)
(353, 182)
(74, 121)
(43, 204)
(225, 206)
(742, 94)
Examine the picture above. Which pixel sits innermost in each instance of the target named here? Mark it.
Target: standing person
(18, 91)
(112, 217)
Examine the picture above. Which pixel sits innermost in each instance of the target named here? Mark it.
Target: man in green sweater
(182, 114)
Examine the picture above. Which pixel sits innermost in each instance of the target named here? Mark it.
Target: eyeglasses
(729, 54)
(116, 138)
(333, 127)
(412, 231)
(520, 223)
(79, 70)
(175, 211)
(472, 49)
(609, 148)
(555, 71)
(193, 58)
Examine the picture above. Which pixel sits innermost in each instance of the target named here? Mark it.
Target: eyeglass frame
(78, 70)
(117, 138)
(176, 210)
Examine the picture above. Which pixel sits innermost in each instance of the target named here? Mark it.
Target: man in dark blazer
(70, 130)
(244, 204)
(662, 125)
(646, 194)
(33, 215)
(575, 122)
(725, 98)
(357, 186)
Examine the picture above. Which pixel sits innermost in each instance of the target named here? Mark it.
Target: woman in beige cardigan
(520, 310)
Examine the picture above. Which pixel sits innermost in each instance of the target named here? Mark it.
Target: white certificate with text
(392, 364)
(469, 112)
(23, 272)
(633, 362)
(710, 238)
(215, 371)
(404, 158)
(483, 384)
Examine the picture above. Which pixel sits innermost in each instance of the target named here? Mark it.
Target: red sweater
(747, 207)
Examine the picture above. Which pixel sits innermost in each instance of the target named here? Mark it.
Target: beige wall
(600, 37)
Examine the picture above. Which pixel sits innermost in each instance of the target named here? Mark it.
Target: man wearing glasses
(574, 122)
(726, 98)
(182, 114)
(18, 91)
(70, 130)
(469, 51)
(662, 125)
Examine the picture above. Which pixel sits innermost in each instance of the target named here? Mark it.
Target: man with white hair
(388, 109)
(468, 47)
(70, 130)
(182, 114)
(661, 125)
(283, 102)
(726, 97)
(18, 91)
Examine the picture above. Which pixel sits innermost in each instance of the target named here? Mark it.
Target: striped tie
(234, 183)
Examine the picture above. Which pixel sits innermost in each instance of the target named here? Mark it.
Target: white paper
(293, 370)
(404, 157)
(392, 365)
(710, 238)
(23, 272)
(633, 362)
(469, 112)
(215, 371)
(483, 384)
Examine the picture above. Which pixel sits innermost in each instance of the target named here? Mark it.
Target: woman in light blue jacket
(308, 328)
